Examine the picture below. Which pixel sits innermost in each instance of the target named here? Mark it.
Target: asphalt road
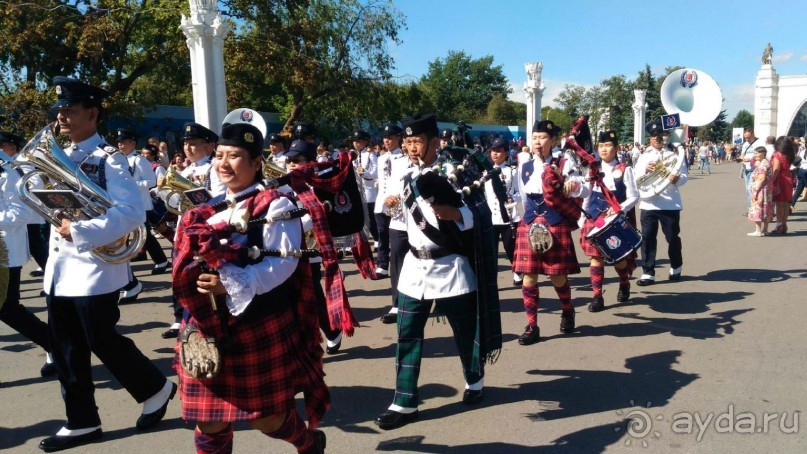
(694, 364)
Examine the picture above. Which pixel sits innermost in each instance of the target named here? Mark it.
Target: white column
(534, 90)
(205, 32)
(766, 101)
(639, 110)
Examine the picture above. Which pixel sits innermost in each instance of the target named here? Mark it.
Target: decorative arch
(798, 121)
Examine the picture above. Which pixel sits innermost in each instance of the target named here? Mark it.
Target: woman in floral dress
(761, 193)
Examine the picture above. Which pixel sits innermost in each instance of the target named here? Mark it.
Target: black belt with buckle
(429, 254)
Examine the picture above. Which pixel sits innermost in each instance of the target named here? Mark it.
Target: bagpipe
(613, 236)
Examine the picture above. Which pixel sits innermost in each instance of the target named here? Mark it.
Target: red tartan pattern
(560, 260)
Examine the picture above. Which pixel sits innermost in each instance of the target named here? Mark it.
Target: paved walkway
(725, 345)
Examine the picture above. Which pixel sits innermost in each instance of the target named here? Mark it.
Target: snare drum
(616, 239)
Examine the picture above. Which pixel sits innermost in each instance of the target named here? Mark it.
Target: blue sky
(583, 42)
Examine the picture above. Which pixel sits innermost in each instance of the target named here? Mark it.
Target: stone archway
(780, 103)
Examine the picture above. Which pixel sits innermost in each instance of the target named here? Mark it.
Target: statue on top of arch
(767, 55)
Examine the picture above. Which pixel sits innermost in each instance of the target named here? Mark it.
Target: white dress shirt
(670, 197)
(71, 269)
(631, 191)
(243, 284)
(401, 167)
(508, 175)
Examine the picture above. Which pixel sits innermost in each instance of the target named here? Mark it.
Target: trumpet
(50, 162)
(174, 184)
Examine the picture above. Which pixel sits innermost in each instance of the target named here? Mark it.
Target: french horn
(49, 162)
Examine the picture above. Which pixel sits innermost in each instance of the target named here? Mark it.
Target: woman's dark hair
(785, 146)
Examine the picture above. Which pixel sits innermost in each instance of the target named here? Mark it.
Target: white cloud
(804, 57)
(736, 98)
(782, 58)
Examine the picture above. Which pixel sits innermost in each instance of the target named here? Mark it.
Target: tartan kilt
(259, 376)
(560, 260)
(593, 252)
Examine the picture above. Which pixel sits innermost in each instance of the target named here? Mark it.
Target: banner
(737, 135)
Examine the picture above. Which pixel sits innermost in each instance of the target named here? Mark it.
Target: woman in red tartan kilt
(271, 351)
(545, 196)
(618, 178)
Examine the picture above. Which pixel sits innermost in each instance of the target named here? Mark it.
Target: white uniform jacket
(71, 269)
(384, 175)
(443, 277)
(508, 177)
(14, 217)
(401, 167)
(368, 161)
(670, 197)
(143, 175)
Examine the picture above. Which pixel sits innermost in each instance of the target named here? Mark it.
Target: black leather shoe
(645, 282)
(334, 349)
(389, 318)
(170, 333)
(37, 273)
(675, 277)
(531, 335)
(160, 268)
(472, 397)
(567, 321)
(392, 419)
(146, 421)
(59, 443)
(319, 443)
(624, 293)
(597, 304)
(48, 369)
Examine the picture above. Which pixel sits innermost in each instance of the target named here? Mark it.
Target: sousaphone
(697, 99)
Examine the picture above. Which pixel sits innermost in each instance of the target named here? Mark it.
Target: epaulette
(107, 148)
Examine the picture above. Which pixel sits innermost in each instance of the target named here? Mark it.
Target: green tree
(461, 87)
(502, 111)
(743, 119)
(113, 43)
(313, 59)
(558, 116)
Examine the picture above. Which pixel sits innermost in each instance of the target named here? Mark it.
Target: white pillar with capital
(639, 111)
(205, 32)
(534, 90)
(766, 101)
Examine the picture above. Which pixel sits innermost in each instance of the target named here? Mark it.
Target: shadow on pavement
(753, 275)
(17, 436)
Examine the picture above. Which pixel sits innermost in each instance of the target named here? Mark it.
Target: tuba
(50, 162)
(172, 185)
(697, 99)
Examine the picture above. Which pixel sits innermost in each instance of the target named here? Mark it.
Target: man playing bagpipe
(619, 180)
(449, 265)
(544, 239)
(252, 340)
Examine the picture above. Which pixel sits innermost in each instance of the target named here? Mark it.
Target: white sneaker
(381, 272)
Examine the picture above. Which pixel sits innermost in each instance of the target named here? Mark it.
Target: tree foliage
(743, 119)
(461, 87)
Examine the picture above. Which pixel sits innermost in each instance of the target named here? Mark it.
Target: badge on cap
(549, 126)
(612, 135)
(246, 116)
(408, 131)
(248, 137)
(58, 89)
(189, 128)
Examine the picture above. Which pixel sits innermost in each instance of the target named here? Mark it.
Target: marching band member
(278, 150)
(145, 178)
(367, 169)
(272, 353)
(82, 290)
(198, 144)
(445, 137)
(499, 154)
(15, 216)
(664, 208)
(392, 141)
(435, 273)
(618, 178)
(398, 238)
(300, 154)
(550, 213)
